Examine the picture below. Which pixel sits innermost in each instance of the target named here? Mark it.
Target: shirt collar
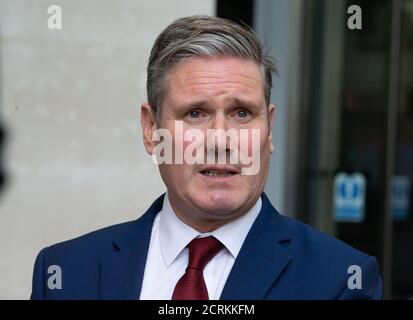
(175, 234)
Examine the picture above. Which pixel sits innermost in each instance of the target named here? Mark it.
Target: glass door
(402, 261)
(357, 119)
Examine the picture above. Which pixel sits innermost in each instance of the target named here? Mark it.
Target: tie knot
(201, 251)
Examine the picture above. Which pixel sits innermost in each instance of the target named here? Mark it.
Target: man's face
(214, 93)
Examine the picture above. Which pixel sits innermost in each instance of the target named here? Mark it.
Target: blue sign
(349, 197)
(400, 197)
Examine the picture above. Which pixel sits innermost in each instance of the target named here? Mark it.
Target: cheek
(258, 143)
(265, 144)
(175, 176)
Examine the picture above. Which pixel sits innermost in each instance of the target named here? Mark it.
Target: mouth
(219, 171)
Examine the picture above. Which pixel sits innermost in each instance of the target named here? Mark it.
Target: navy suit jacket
(281, 258)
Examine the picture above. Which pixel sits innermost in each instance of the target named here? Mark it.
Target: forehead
(215, 78)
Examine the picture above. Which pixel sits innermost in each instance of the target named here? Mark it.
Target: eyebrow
(234, 102)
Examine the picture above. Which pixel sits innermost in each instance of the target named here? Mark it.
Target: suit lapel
(262, 258)
(121, 273)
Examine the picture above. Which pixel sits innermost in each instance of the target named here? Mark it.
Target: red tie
(192, 286)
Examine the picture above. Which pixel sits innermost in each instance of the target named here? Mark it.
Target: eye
(242, 113)
(194, 114)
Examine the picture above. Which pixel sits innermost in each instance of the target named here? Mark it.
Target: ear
(271, 112)
(149, 125)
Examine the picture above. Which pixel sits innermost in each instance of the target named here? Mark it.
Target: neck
(204, 222)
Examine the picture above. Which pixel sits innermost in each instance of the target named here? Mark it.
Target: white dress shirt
(168, 256)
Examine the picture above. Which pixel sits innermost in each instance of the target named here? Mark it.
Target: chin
(221, 202)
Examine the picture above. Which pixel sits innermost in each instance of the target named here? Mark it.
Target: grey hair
(203, 36)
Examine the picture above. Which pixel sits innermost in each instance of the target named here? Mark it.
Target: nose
(218, 142)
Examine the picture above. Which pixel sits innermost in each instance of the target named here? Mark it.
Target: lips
(219, 171)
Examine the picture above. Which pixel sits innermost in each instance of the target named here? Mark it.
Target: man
(214, 234)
